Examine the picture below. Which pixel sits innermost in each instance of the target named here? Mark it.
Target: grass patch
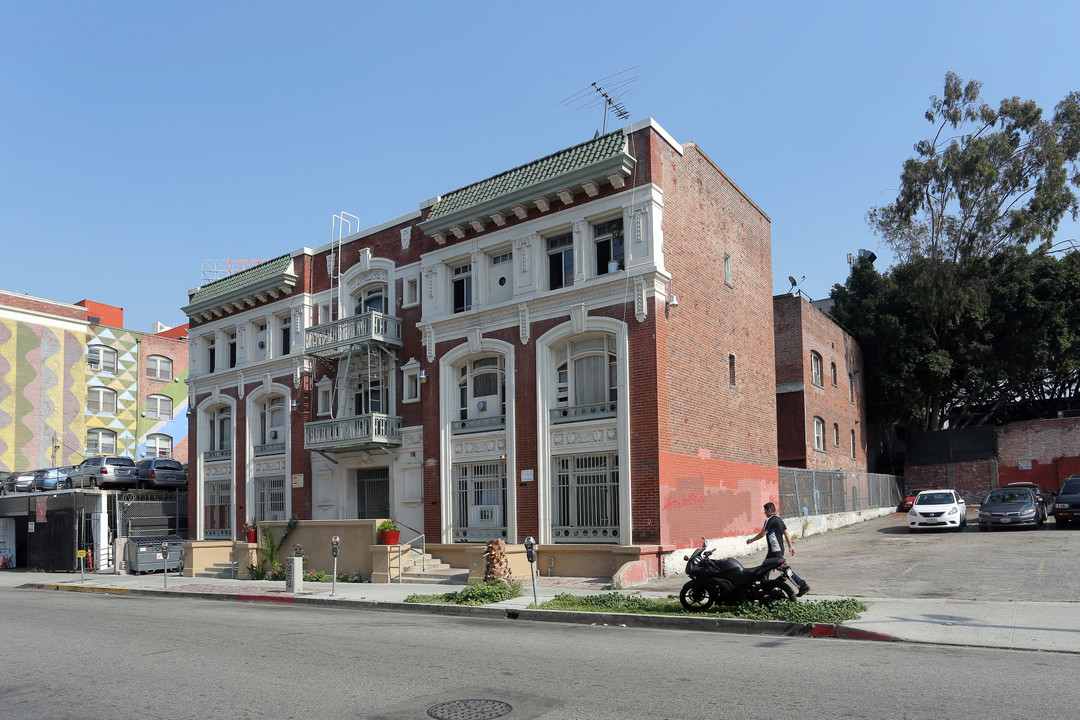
(481, 593)
(814, 611)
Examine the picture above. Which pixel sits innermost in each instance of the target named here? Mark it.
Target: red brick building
(820, 406)
(579, 349)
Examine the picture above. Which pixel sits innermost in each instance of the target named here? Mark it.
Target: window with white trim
(481, 392)
(285, 335)
(610, 255)
(325, 388)
(100, 441)
(500, 287)
(272, 420)
(368, 397)
(560, 252)
(370, 299)
(232, 349)
(221, 428)
(816, 370)
(587, 372)
(159, 367)
(158, 446)
(462, 287)
(101, 400)
(270, 498)
(729, 274)
(411, 385)
(159, 406)
(101, 358)
(819, 434)
(410, 292)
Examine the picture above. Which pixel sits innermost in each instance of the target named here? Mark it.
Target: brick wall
(1040, 451)
(800, 330)
(716, 443)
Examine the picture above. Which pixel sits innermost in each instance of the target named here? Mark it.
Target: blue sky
(138, 139)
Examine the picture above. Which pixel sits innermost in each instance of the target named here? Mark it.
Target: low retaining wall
(799, 527)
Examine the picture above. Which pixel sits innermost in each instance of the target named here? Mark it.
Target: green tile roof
(237, 281)
(565, 161)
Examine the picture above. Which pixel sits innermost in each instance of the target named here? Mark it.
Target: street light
(334, 543)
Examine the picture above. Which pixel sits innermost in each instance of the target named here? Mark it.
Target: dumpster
(144, 553)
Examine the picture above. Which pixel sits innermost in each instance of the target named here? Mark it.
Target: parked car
(937, 509)
(1009, 506)
(104, 471)
(1067, 507)
(52, 479)
(19, 482)
(909, 498)
(1046, 499)
(161, 473)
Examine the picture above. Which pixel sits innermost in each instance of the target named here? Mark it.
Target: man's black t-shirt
(774, 533)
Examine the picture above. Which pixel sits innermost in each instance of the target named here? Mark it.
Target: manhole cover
(469, 710)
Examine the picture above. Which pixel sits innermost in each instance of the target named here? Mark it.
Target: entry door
(373, 493)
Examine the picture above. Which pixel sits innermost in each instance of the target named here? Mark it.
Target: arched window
(101, 358)
(272, 420)
(158, 446)
(481, 394)
(833, 367)
(159, 406)
(221, 428)
(101, 401)
(836, 435)
(371, 299)
(816, 370)
(159, 367)
(819, 434)
(100, 441)
(587, 372)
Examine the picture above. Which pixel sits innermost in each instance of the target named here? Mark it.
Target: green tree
(988, 184)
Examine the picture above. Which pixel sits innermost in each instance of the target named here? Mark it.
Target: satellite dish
(791, 279)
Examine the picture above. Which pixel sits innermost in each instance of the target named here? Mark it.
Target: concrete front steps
(427, 569)
(223, 570)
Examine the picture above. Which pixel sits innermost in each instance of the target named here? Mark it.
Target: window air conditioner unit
(273, 434)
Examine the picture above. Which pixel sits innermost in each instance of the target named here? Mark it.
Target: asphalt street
(119, 656)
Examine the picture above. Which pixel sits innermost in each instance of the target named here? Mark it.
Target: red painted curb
(265, 598)
(854, 634)
(822, 630)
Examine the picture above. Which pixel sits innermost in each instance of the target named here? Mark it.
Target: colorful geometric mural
(124, 381)
(176, 427)
(42, 394)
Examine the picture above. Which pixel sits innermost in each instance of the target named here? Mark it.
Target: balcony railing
(576, 413)
(277, 448)
(330, 338)
(461, 427)
(352, 433)
(214, 455)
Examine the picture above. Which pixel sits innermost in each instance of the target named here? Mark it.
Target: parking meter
(165, 562)
(334, 543)
(530, 555)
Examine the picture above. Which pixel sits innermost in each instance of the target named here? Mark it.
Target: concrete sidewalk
(1043, 626)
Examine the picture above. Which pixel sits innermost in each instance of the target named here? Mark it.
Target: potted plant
(249, 531)
(389, 534)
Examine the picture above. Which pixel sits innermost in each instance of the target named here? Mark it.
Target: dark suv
(1067, 508)
(104, 471)
(161, 473)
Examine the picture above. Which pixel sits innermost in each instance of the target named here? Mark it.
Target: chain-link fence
(142, 514)
(820, 492)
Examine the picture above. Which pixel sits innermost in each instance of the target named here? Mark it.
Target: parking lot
(880, 559)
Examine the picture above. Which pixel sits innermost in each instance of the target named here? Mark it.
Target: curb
(733, 626)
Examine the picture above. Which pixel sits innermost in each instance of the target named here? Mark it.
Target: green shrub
(481, 593)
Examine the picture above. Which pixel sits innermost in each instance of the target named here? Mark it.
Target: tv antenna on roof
(607, 93)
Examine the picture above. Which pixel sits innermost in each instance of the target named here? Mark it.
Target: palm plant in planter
(389, 533)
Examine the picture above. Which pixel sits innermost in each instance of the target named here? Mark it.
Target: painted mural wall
(122, 378)
(42, 393)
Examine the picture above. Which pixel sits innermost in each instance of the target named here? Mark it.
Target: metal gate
(139, 514)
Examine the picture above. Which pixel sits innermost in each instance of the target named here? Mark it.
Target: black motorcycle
(727, 582)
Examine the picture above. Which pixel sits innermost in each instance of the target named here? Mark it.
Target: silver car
(104, 471)
(1009, 507)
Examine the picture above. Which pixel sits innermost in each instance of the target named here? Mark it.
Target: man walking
(776, 532)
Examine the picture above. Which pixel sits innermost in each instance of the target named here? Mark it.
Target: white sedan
(943, 509)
